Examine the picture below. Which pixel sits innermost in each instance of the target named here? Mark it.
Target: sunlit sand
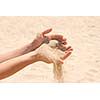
(82, 33)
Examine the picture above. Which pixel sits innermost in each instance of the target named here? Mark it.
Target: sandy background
(83, 33)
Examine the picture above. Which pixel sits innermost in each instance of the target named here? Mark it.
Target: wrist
(29, 47)
(33, 56)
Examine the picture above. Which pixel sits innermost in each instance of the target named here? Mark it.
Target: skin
(32, 46)
(13, 61)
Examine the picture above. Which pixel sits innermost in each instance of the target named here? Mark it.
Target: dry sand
(83, 33)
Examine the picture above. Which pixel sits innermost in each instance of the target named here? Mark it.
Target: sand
(82, 33)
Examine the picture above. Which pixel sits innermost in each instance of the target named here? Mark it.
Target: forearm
(17, 52)
(12, 66)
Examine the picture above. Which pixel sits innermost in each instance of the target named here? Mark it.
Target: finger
(69, 49)
(64, 39)
(56, 37)
(62, 47)
(47, 31)
(64, 42)
(61, 62)
(66, 55)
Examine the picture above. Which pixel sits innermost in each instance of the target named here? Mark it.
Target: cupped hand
(44, 37)
(47, 54)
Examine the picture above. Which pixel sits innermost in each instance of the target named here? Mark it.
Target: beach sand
(82, 33)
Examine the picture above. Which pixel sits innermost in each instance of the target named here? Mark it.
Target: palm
(49, 55)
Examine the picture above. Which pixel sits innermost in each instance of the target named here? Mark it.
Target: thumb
(47, 31)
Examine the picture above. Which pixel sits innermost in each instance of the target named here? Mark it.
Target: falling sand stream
(58, 72)
(57, 67)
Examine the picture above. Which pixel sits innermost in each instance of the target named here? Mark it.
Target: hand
(47, 54)
(43, 37)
